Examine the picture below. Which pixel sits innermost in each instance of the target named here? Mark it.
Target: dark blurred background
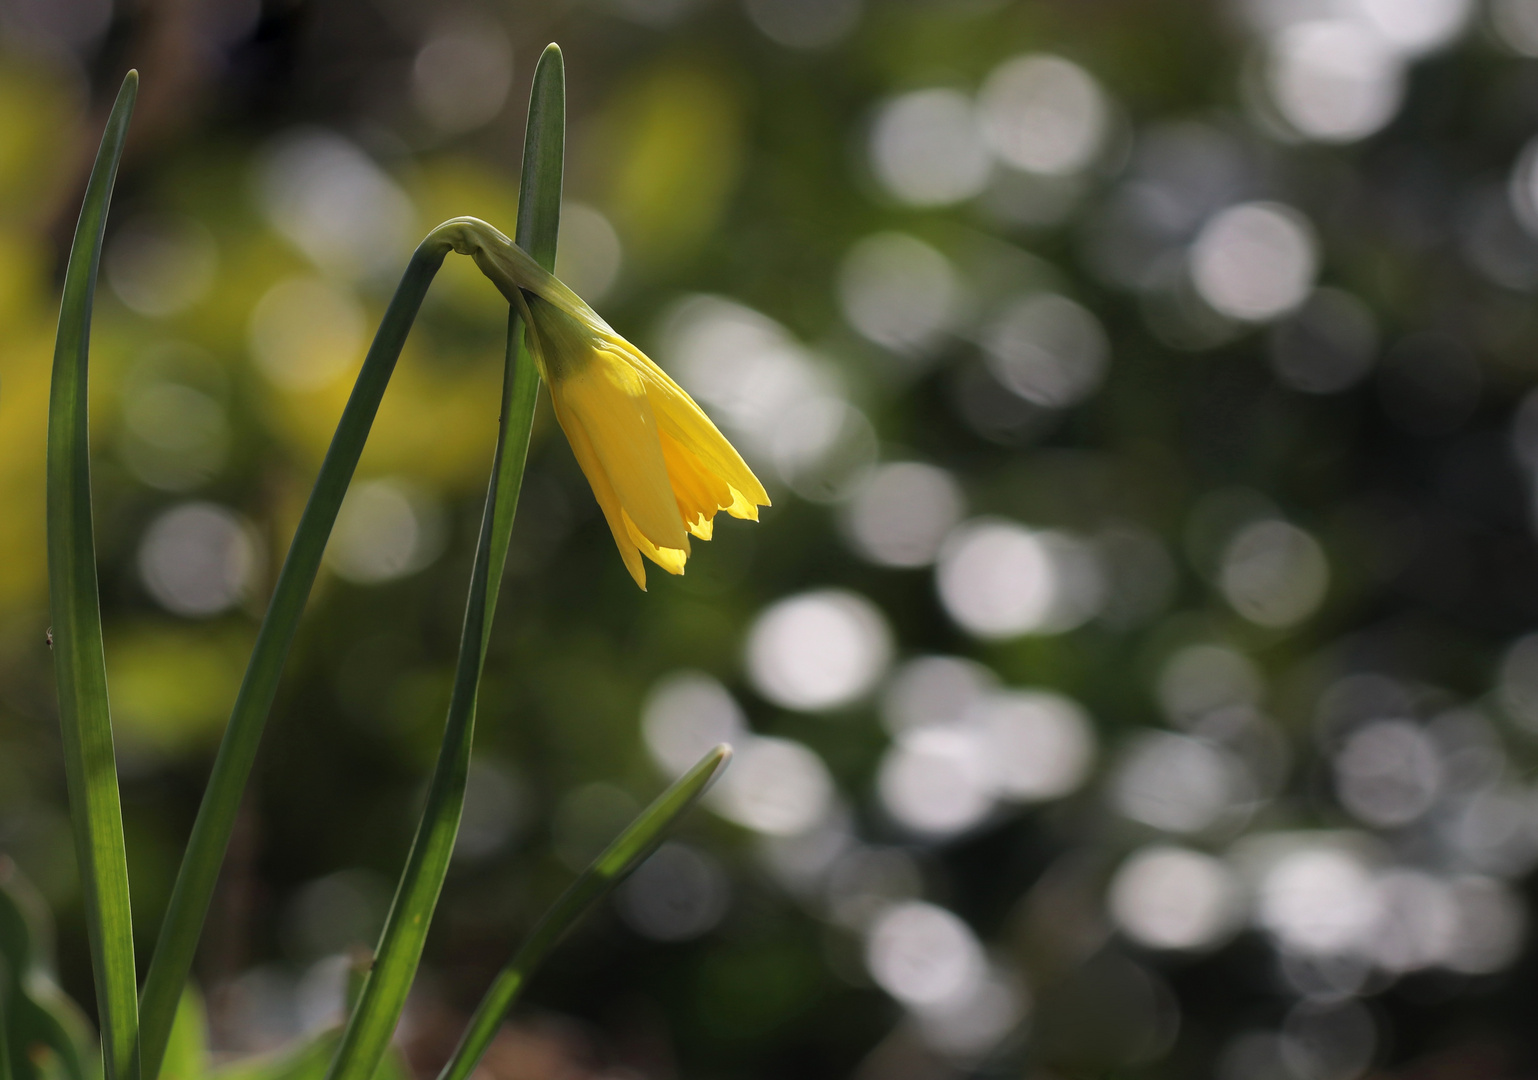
(1131, 677)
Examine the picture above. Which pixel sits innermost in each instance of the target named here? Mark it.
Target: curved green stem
(539, 209)
(373, 1021)
(210, 837)
(80, 668)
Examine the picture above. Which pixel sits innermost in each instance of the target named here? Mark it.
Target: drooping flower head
(659, 468)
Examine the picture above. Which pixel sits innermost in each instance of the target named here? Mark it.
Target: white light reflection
(1416, 27)
(946, 771)
(1274, 574)
(1495, 831)
(999, 579)
(1043, 114)
(924, 956)
(903, 513)
(1200, 679)
(818, 650)
(462, 74)
(929, 691)
(1179, 784)
(937, 780)
(386, 529)
(1388, 773)
(333, 203)
(1181, 174)
(1315, 894)
(1168, 897)
(899, 291)
(686, 715)
(1334, 80)
(1417, 924)
(774, 786)
(1492, 925)
(1039, 745)
(1472, 752)
(804, 862)
(1048, 349)
(926, 149)
(197, 559)
(494, 810)
(1254, 261)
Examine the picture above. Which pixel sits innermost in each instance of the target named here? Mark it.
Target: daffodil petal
(609, 403)
(679, 416)
(742, 507)
(670, 559)
(603, 491)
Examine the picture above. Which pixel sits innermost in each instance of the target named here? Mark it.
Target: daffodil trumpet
(659, 468)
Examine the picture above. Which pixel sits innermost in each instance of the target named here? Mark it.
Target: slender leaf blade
(80, 669)
(367, 1035)
(199, 872)
(627, 852)
(536, 231)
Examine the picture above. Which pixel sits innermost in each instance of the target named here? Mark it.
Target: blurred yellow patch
(672, 154)
(172, 686)
(433, 425)
(444, 188)
(38, 108)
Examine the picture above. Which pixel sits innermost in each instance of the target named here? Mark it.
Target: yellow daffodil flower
(659, 468)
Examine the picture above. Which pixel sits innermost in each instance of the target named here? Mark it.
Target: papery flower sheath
(659, 468)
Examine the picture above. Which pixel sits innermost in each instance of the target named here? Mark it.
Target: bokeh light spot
(1173, 898)
(1274, 574)
(1049, 350)
(1255, 261)
(1044, 114)
(924, 956)
(198, 559)
(902, 514)
(819, 650)
(926, 149)
(386, 529)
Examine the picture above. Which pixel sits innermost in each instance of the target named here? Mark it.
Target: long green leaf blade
(195, 881)
(369, 1028)
(538, 222)
(538, 225)
(627, 852)
(79, 663)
